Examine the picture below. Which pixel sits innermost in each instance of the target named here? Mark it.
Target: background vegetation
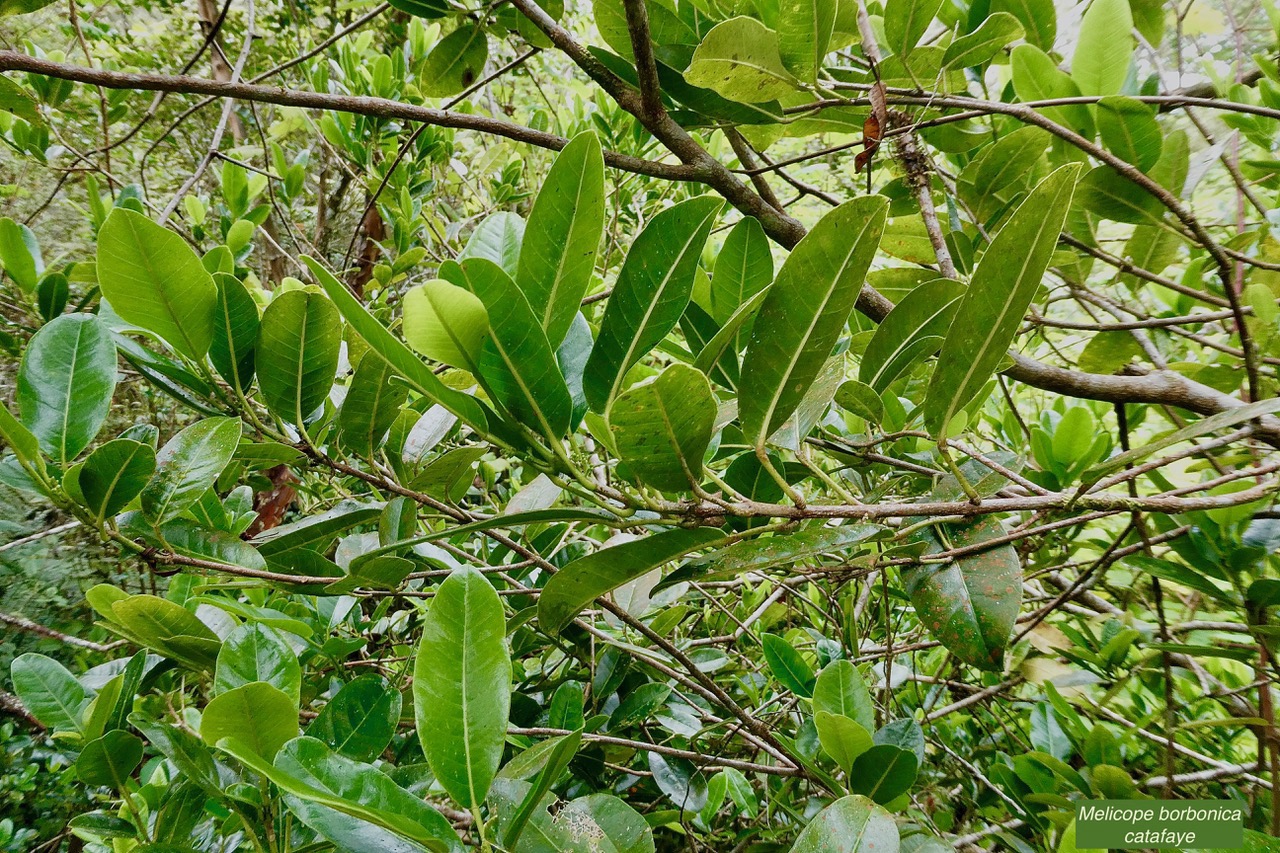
(813, 425)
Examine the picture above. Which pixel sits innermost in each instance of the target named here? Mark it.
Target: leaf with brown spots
(969, 604)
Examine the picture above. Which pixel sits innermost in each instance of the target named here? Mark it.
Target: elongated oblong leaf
(360, 721)
(970, 603)
(1002, 288)
(372, 403)
(393, 351)
(48, 691)
(651, 293)
(235, 333)
(559, 251)
(462, 686)
(905, 22)
(298, 347)
(662, 429)
(587, 578)
(1105, 48)
(153, 279)
(841, 690)
(188, 465)
(804, 34)
(805, 312)
(743, 268)
(65, 383)
(740, 59)
(445, 323)
(925, 312)
(517, 364)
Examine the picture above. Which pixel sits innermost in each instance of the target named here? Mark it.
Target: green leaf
(791, 549)
(997, 32)
(298, 347)
(360, 720)
(587, 578)
(258, 715)
(559, 252)
(109, 761)
(20, 251)
(255, 652)
(652, 291)
(1204, 426)
(21, 7)
(739, 59)
(851, 824)
(841, 738)
(728, 338)
(841, 690)
(1110, 195)
(446, 323)
(235, 333)
(455, 62)
(462, 686)
(1037, 77)
(743, 268)
(1002, 288)
(497, 238)
(905, 22)
(517, 365)
(65, 383)
(395, 353)
(1038, 18)
(970, 604)
(168, 628)
(883, 773)
(114, 474)
(18, 101)
(924, 314)
(370, 408)
(154, 280)
(788, 665)
(804, 314)
(661, 429)
(308, 773)
(1130, 131)
(804, 35)
(192, 758)
(860, 399)
(1104, 51)
(422, 8)
(557, 761)
(188, 465)
(51, 294)
(49, 691)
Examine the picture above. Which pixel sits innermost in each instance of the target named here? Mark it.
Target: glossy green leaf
(52, 294)
(372, 403)
(1110, 195)
(851, 824)
(565, 225)
(298, 347)
(651, 293)
(1037, 77)
(422, 8)
(662, 429)
(446, 323)
(517, 364)
(970, 603)
(235, 333)
(258, 715)
(582, 581)
(728, 338)
(883, 773)
(456, 62)
(20, 252)
(804, 35)
(1104, 50)
(48, 691)
(841, 738)
(154, 279)
(360, 720)
(109, 761)
(114, 474)
(788, 665)
(905, 22)
(997, 32)
(188, 465)
(65, 383)
(841, 690)
(860, 399)
(993, 306)
(924, 313)
(168, 628)
(395, 353)
(743, 268)
(255, 652)
(558, 757)
(462, 686)
(792, 549)
(740, 59)
(499, 238)
(805, 312)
